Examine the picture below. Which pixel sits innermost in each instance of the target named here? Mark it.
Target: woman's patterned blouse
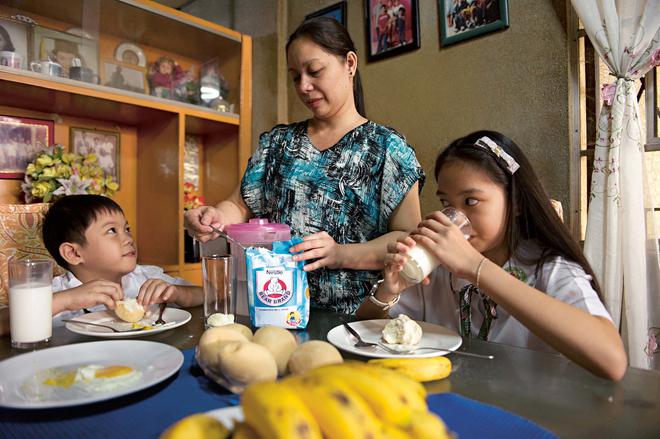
(349, 191)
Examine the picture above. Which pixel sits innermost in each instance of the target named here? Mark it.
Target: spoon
(227, 237)
(160, 320)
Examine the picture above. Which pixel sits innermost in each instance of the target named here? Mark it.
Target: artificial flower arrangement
(55, 173)
(191, 197)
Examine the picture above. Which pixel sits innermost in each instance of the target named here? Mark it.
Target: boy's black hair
(68, 219)
(528, 204)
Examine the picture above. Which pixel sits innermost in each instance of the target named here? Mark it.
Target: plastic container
(258, 232)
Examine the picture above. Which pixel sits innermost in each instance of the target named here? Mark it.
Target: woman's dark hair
(528, 202)
(8, 45)
(327, 33)
(68, 219)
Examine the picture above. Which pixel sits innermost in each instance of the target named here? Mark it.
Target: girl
(519, 279)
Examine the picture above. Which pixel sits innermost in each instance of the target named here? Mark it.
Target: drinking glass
(420, 261)
(30, 302)
(218, 278)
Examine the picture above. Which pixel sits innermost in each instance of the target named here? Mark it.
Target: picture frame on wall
(104, 144)
(392, 27)
(336, 11)
(64, 48)
(15, 43)
(21, 141)
(460, 20)
(123, 76)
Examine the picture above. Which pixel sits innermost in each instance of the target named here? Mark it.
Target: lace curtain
(621, 241)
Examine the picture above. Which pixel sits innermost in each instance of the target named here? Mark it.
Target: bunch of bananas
(350, 400)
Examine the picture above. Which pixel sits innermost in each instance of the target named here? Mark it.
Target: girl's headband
(486, 143)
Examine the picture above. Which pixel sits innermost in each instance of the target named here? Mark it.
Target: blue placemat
(147, 413)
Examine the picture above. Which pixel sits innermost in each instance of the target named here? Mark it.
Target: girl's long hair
(330, 35)
(528, 204)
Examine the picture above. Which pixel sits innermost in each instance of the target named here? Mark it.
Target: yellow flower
(49, 172)
(112, 186)
(31, 169)
(68, 157)
(89, 159)
(40, 189)
(63, 171)
(44, 160)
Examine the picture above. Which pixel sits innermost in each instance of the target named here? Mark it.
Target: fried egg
(95, 378)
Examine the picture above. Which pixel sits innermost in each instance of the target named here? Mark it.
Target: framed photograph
(15, 43)
(461, 20)
(21, 140)
(64, 48)
(392, 27)
(125, 77)
(336, 11)
(105, 144)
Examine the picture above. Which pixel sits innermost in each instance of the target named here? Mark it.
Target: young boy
(89, 236)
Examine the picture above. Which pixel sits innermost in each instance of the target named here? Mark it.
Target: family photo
(21, 140)
(463, 19)
(392, 27)
(104, 144)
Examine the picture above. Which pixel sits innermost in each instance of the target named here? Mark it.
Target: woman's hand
(446, 242)
(322, 247)
(197, 222)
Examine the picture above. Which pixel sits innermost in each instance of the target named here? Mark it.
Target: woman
(344, 183)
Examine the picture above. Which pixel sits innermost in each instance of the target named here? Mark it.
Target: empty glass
(218, 278)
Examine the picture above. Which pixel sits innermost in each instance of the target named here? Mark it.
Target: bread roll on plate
(129, 310)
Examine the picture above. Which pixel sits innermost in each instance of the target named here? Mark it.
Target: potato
(247, 332)
(244, 362)
(312, 354)
(280, 342)
(211, 341)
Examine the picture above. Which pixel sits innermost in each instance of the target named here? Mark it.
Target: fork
(363, 344)
(103, 326)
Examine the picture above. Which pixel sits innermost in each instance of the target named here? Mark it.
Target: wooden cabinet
(152, 129)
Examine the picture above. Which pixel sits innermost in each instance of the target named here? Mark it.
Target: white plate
(228, 416)
(129, 47)
(371, 331)
(18, 384)
(173, 316)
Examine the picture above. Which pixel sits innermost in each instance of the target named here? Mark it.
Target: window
(588, 77)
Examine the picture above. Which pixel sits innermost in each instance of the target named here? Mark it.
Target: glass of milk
(30, 302)
(420, 262)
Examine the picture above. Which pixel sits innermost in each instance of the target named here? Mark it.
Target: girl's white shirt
(130, 284)
(559, 278)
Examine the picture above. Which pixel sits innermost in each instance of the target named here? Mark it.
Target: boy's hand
(90, 294)
(156, 291)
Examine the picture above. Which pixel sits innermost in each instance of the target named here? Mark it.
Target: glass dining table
(544, 388)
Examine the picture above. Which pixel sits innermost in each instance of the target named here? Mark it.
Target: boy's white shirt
(130, 284)
(562, 279)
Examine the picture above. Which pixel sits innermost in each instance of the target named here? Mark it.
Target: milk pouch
(278, 293)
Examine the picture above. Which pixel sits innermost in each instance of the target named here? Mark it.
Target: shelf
(76, 98)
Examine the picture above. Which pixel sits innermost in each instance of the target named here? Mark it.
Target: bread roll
(129, 310)
(280, 342)
(247, 332)
(245, 363)
(211, 341)
(313, 354)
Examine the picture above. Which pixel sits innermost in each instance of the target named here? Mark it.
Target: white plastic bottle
(420, 261)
